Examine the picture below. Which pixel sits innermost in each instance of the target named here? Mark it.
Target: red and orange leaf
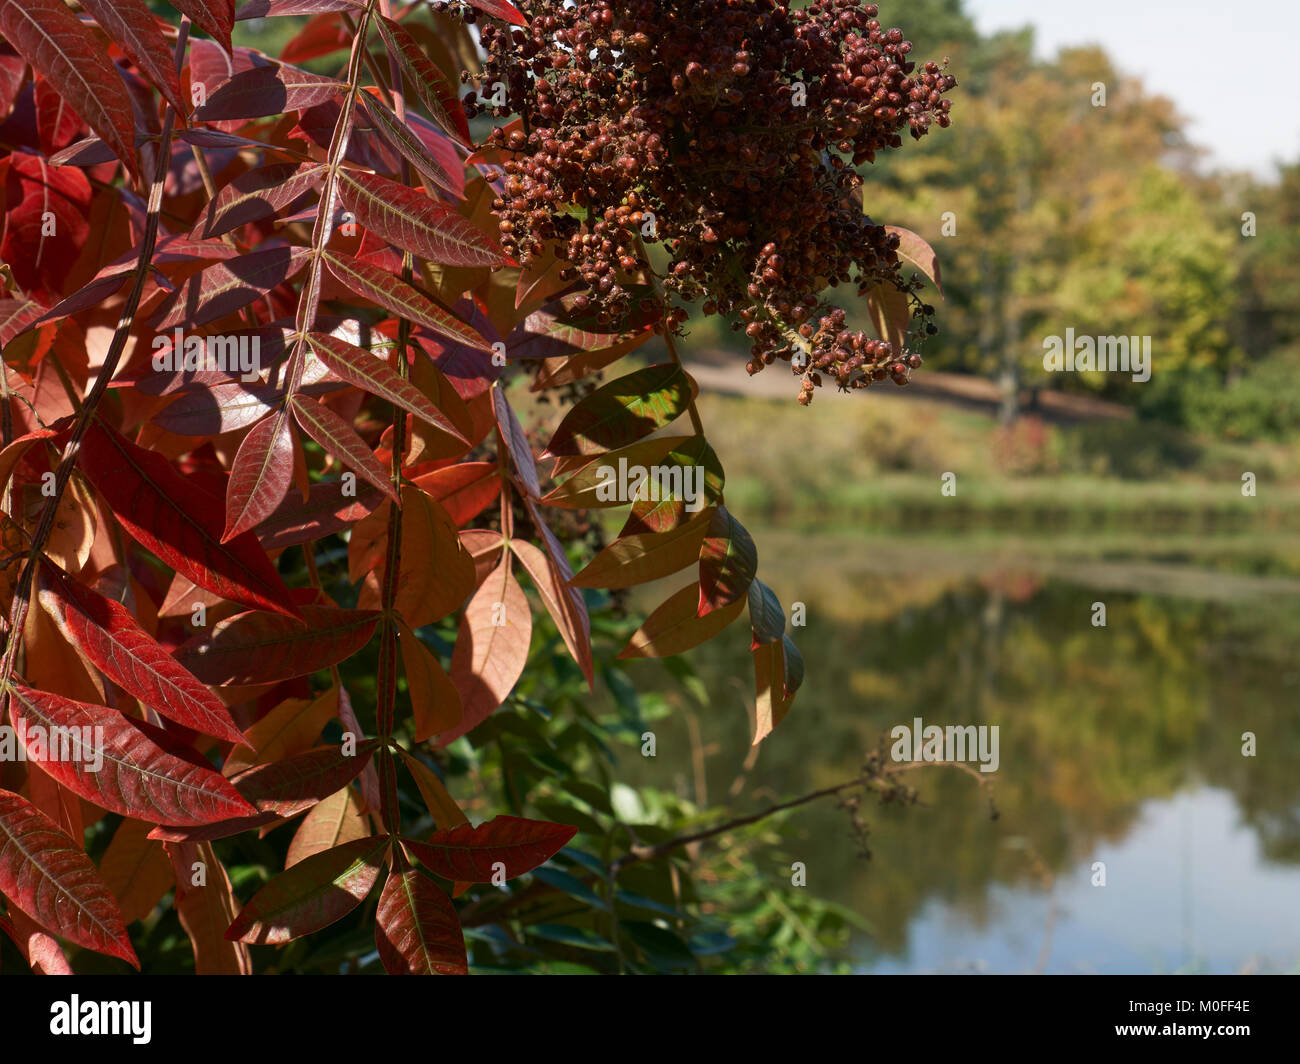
(44, 874)
(676, 627)
(465, 490)
(491, 648)
(132, 26)
(260, 476)
(368, 371)
(773, 701)
(410, 220)
(425, 593)
(296, 783)
(171, 516)
(50, 37)
(258, 647)
(135, 776)
(564, 603)
(435, 702)
(136, 869)
(417, 930)
(472, 854)
(111, 639)
(442, 807)
(380, 287)
(341, 441)
(291, 728)
(312, 894)
(335, 821)
(206, 909)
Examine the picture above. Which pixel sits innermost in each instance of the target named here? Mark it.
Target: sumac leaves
(180, 522)
(45, 875)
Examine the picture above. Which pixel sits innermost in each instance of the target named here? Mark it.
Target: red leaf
(257, 647)
(499, 9)
(110, 638)
(53, 40)
(45, 224)
(438, 96)
(137, 778)
(213, 409)
(45, 875)
(285, 8)
(676, 627)
(312, 894)
(265, 90)
(225, 287)
(260, 476)
(16, 315)
(464, 489)
(410, 220)
(326, 510)
(413, 147)
(289, 786)
(516, 441)
(564, 603)
(368, 371)
(491, 649)
(216, 18)
(417, 930)
(377, 285)
(132, 26)
(58, 125)
(257, 194)
(341, 440)
(166, 513)
(469, 854)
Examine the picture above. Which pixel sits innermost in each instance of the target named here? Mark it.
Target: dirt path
(723, 373)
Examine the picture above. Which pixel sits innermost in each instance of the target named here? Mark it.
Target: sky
(1230, 67)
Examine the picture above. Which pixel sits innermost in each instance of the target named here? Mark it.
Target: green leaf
(624, 411)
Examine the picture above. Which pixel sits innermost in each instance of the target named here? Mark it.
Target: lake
(1119, 746)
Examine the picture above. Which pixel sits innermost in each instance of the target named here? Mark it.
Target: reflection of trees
(1093, 722)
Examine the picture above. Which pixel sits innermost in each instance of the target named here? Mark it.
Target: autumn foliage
(251, 313)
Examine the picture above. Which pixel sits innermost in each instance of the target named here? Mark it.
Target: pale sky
(1229, 66)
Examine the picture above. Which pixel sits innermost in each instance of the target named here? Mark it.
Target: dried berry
(726, 132)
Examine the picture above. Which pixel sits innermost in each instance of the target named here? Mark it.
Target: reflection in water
(1120, 744)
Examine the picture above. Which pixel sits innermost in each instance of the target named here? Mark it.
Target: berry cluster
(726, 131)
